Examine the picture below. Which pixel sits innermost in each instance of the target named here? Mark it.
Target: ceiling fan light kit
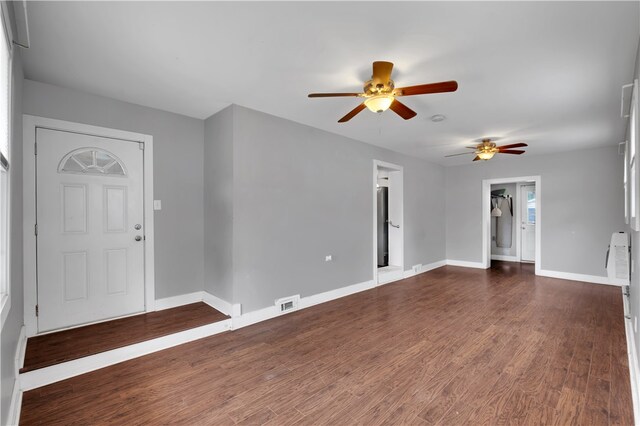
(379, 103)
(380, 93)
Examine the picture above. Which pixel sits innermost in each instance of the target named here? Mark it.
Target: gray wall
(301, 193)
(510, 189)
(582, 205)
(11, 328)
(218, 204)
(178, 173)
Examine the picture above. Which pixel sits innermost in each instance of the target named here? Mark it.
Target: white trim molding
(55, 373)
(466, 264)
(180, 300)
(221, 304)
(264, 314)
(424, 268)
(29, 125)
(16, 396)
(594, 279)
(505, 258)
(632, 353)
(15, 408)
(486, 217)
(377, 164)
(215, 302)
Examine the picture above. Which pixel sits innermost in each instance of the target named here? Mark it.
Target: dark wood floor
(452, 346)
(55, 348)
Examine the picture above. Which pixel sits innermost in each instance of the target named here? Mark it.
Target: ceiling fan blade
(402, 110)
(423, 89)
(477, 158)
(382, 71)
(331, 95)
(352, 113)
(514, 145)
(472, 147)
(463, 153)
(511, 151)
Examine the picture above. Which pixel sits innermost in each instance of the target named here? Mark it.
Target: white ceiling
(549, 74)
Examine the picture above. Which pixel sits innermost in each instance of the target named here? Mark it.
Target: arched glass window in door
(93, 161)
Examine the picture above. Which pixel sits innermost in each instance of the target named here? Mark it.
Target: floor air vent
(288, 303)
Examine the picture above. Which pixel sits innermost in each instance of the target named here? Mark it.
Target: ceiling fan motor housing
(374, 87)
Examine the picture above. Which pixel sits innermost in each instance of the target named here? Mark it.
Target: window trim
(5, 297)
(633, 146)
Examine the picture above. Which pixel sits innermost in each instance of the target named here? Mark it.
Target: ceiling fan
(486, 149)
(380, 94)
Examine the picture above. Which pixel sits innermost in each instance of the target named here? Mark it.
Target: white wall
(178, 173)
(582, 205)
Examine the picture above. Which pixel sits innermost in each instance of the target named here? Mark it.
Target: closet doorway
(511, 220)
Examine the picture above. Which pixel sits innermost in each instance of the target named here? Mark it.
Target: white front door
(90, 229)
(528, 223)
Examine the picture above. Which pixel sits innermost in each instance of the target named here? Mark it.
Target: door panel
(89, 201)
(528, 222)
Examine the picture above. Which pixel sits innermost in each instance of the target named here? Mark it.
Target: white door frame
(394, 168)
(29, 125)
(486, 218)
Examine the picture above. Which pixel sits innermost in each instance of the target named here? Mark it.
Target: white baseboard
(221, 305)
(16, 396)
(576, 277)
(387, 277)
(327, 296)
(425, 268)
(198, 296)
(632, 352)
(44, 376)
(13, 418)
(269, 312)
(505, 258)
(465, 264)
(175, 301)
(21, 349)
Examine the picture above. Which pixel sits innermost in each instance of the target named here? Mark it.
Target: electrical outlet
(417, 268)
(328, 258)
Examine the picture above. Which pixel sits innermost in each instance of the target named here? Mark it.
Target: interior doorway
(388, 232)
(511, 220)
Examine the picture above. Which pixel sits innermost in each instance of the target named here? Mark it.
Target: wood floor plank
(450, 346)
(55, 348)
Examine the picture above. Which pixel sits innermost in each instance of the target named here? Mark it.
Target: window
(93, 161)
(5, 158)
(632, 148)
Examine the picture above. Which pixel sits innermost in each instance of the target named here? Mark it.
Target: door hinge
(35, 229)
(35, 148)
(37, 311)
(141, 145)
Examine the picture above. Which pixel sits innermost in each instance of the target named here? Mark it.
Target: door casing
(29, 124)
(398, 214)
(486, 217)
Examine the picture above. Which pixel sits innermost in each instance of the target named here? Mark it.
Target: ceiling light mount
(438, 118)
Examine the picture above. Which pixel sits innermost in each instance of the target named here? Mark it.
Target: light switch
(157, 204)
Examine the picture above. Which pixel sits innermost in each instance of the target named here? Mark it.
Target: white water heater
(618, 259)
